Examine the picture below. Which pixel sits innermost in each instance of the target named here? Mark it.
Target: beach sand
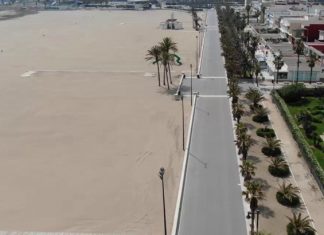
(82, 137)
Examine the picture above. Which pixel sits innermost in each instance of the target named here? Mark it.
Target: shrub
(260, 119)
(288, 195)
(265, 132)
(291, 231)
(284, 201)
(292, 93)
(306, 150)
(279, 168)
(271, 152)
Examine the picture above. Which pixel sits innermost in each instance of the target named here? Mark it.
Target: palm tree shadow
(264, 183)
(171, 91)
(254, 159)
(250, 126)
(266, 212)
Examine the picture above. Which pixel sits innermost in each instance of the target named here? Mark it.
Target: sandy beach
(84, 132)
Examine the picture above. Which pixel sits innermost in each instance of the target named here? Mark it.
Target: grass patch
(316, 107)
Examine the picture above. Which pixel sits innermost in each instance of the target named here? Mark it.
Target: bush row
(306, 150)
(294, 92)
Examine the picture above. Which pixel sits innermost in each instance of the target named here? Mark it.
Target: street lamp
(161, 175)
(197, 53)
(251, 215)
(191, 84)
(183, 132)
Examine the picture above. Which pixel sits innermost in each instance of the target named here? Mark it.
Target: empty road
(212, 202)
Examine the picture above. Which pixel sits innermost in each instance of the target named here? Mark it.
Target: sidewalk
(310, 191)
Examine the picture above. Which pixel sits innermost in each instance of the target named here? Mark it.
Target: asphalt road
(212, 202)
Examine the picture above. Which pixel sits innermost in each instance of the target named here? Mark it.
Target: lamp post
(183, 132)
(251, 215)
(197, 53)
(161, 175)
(191, 84)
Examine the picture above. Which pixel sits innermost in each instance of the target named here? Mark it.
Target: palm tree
(271, 147)
(257, 14)
(257, 71)
(165, 58)
(154, 55)
(260, 111)
(311, 63)
(288, 194)
(279, 167)
(299, 49)
(238, 111)
(167, 45)
(300, 226)
(253, 193)
(244, 143)
(255, 96)
(263, 9)
(253, 189)
(247, 170)
(248, 10)
(240, 129)
(279, 63)
(234, 90)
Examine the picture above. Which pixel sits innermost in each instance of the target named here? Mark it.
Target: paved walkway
(310, 191)
(212, 202)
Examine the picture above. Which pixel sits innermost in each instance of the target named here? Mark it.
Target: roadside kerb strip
(176, 219)
(177, 94)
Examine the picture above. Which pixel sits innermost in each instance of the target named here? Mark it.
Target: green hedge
(306, 150)
(265, 132)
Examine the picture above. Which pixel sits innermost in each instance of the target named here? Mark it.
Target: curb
(176, 219)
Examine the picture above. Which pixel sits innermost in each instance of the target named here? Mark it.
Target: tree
(154, 55)
(238, 111)
(248, 11)
(165, 58)
(299, 49)
(234, 90)
(253, 189)
(288, 194)
(311, 63)
(257, 71)
(168, 45)
(257, 14)
(263, 9)
(240, 129)
(255, 96)
(279, 63)
(244, 143)
(279, 167)
(300, 226)
(271, 147)
(247, 170)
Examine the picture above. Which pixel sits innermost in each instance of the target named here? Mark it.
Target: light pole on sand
(191, 84)
(161, 175)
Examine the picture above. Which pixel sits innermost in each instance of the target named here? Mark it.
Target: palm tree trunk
(158, 69)
(169, 68)
(167, 77)
(310, 78)
(163, 75)
(297, 69)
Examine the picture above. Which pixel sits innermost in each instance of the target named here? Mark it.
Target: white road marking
(28, 74)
